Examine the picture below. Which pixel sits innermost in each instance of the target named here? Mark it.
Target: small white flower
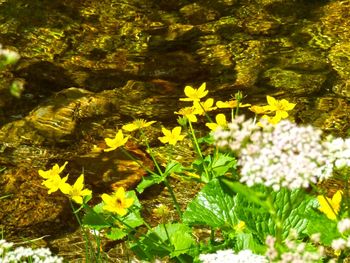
(228, 256)
(269, 156)
(344, 225)
(338, 244)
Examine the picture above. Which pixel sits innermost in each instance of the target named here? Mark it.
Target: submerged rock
(295, 82)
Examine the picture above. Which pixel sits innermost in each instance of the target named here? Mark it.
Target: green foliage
(213, 166)
(213, 207)
(283, 207)
(172, 167)
(117, 226)
(166, 239)
(318, 223)
(239, 217)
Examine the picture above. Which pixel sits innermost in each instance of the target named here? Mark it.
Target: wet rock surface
(90, 67)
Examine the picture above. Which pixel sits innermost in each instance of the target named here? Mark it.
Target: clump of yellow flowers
(54, 182)
(116, 203)
(274, 111)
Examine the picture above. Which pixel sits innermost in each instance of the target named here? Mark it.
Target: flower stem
(85, 235)
(198, 150)
(173, 197)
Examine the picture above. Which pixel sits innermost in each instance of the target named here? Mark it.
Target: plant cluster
(261, 197)
(8, 58)
(10, 253)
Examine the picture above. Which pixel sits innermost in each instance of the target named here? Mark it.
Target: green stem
(138, 162)
(277, 220)
(196, 145)
(198, 150)
(85, 235)
(173, 197)
(165, 180)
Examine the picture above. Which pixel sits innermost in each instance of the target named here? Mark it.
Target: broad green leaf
(221, 164)
(128, 224)
(147, 182)
(116, 233)
(166, 240)
(172, 167)
(251, 195)
(247, 241)
(319, 223)
(94, 218)
(213, 206)
(208, 139)
(290, 206)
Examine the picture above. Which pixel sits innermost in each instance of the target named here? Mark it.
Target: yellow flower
(118, 141)
(189, 113)
(117, 202)
(230, 104)
(279, 106)
(203, 107)
(195, 94)
(171, 137)
(259, 109)
(220, 122)
(76, 191)
(55, 170)
(273, 120)
(137, 124)
(330, 206)
(55, 182)
(240, 226)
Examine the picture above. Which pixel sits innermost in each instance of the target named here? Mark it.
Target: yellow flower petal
(195, 94)
(330, 206)
(171, 137)
(137, 124)
(55, 170)
(189, 113)
(220, 122)
(117, 203)
(259, 109)
(118, 141)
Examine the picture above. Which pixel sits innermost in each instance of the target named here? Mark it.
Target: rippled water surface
(91, 66)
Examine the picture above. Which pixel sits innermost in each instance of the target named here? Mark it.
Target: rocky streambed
(88, 68)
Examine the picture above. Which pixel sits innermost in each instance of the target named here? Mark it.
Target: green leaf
(165, 240)
(319, 223)
(94, 218)
(116, 233)
(290, 207)
(213, 206)
(208, 139)
(251, 195)
(172, 167)
(247, 241)
(128, 224)
(221, 164)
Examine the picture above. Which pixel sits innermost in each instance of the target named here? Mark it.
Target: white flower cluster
(228, 256)
(297, 252)
(338, 152)
(343, 242)
(22, 254)
(281, 155)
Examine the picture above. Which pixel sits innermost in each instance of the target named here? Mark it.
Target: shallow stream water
(100, 64)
